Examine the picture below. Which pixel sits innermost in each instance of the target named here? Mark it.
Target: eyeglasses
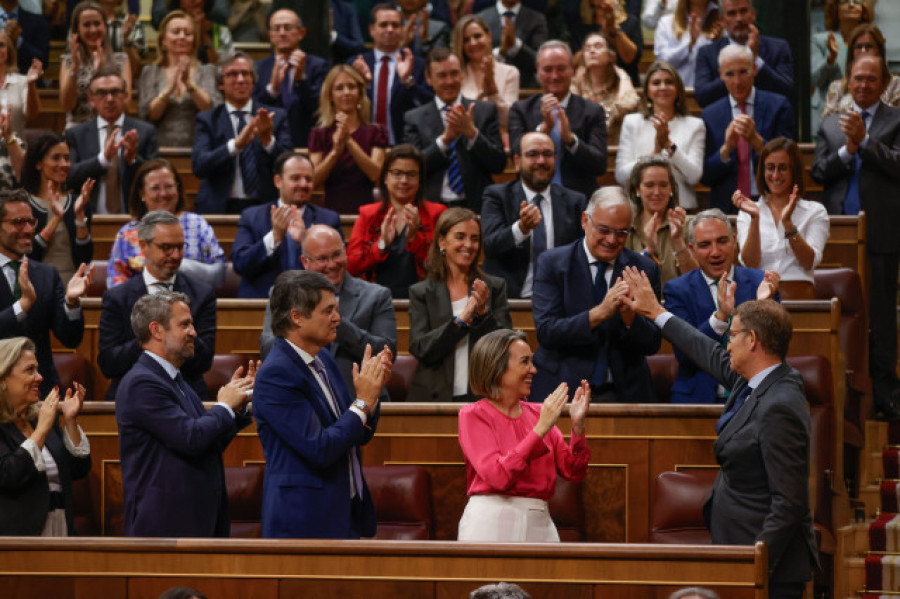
(171, 188)
(284, 27)
(781, 168)
(735, 332)
(532, 154)
(170, 248)
(851, 2)
(323, 260)
(236, 74)
(864, 46)
(21, 223)
(603, 231)
(398, 174)
(102, 93)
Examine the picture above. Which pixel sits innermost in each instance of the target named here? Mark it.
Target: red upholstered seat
(74, 367)
(676, 515)
(401, 377)
(567, 511)
(402, 497)
(220, 373)
(245, 487)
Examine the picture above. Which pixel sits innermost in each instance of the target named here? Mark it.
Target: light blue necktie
(557, 142)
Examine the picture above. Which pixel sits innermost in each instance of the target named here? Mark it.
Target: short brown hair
(793, 152)
(152, 308)
(489, 360)
(771, 323)
(299, 290)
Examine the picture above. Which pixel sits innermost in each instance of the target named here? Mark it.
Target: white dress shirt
(546, 222)
(677, 51)
(237, 188)
(448, 196)
(392, 72)
(101, 157)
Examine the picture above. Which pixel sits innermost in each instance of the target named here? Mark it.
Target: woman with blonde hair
(346, 149)
(19, 97)
(680, 35)
(176, 88)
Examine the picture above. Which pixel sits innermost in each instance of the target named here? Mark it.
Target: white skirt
(507, 519)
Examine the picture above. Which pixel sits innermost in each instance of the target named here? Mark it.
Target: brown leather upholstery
(245, 488)
(220, 373)
(402, 497)
(85, 522)
(230, 284)
(401, 377)
(74, 367)
(676, 515)
(97, 284)
(663, 370)
(567, 511)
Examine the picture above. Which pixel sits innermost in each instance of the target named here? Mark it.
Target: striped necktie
(454, 177)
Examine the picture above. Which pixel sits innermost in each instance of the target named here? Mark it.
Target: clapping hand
(359, 63)
(389, 227)
(642, 299)
(476, 304)
(238, 392)
(34, 71)
(81, 202)
(551, 409)
(529, 217)
(507, 36)
(371, 374)
(768, 287)
(650, 231)
(78, 284)
(578, 409)
(29, 295)
(71, 407)
(296, 227)
(745, 204)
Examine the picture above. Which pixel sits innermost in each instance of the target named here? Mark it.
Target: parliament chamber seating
(221, 371)
(245, 489)
(567, 510)
(401, 377)
(676, 516)
(402, 497)
(74, 367)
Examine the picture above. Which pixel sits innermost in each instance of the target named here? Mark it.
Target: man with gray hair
(585, 329)
(699, 297)
(737, 128)
(694, 593)
(236, 143)
(576, 125)
(171, 447)
(161, 238)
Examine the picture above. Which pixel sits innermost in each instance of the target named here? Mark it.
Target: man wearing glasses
(162, 243)
(33, 300)
(585, 328)
(110, 147)
(523, 218)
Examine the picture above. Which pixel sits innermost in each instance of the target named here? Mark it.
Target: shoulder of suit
(197, 289)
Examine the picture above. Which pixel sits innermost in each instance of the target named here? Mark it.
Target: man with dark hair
(161, 238)
(269, 236)
(517, 32)
(290, 79)
(171, 447)
(459, 137)
(762, 490)
(857, 160)
(524, 217)
(235, 143)
(33, 299)
(309, 425)
(576, 125)
(110, 147)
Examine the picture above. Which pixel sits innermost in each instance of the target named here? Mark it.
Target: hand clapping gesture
(551, 409)
(78, 284)
(578, 409)
(370, 375)
(745, 204)
(477, 302)
(238, 392)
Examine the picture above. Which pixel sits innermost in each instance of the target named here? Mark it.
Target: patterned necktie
(381, 96)
(115, 35)
(249, 176)
(600, 289)
(454, 177)
(113, 189)
(510, 15)
(557, 142)
(738, 403)
(16, 289)
(852, 204)
(161, 286)
(539, 233)
(743, 181)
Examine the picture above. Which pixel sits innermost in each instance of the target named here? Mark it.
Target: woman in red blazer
(390, 239)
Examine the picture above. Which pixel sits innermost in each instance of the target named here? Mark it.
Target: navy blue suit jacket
(349, 41)
(401, 99)
(688, 297)
(35, 38)
(248, 252)
(776, 75)
(563, 295)
(171, 451)
(304, 104)
(500, 210)
(773, 116)
(47, 314)
(306, 493)
(215, 168)
(119, 349)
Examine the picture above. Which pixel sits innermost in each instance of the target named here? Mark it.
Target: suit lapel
(346, 306)
(701, 294)
(319, 401)
(190, 403)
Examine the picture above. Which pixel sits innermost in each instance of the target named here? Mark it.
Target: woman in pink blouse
(513, 448)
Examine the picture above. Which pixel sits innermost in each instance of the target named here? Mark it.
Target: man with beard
(171, 447)
(526, 216)
(162, 242)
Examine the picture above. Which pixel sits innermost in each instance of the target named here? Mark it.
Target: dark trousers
(786, 590)
(883, 325)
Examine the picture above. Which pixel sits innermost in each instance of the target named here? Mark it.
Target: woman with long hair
(680, 35)
(19, 97)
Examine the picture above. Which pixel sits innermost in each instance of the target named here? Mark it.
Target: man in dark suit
(110, 147)
(236, 143)
(422, 31)
(171, 446)
(857, 160)
(162, 239)
(696, 298)
(33, 300)
(269, 236)
(346, 35)
(309, 425)
(762, 490)
(737, 127)
(771, 56)
(367, 312)
(584, 330)
(460, 138)
(291, 79)
(28, 32)
(522, 218)
(577, 126)
(396, 77)
(516, 34)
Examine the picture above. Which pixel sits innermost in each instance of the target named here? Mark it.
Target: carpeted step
(890, 460)
(889, 499)
(894, 432)
(884, 533)
(883, 573)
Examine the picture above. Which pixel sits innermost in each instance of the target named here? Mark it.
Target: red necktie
(381, 98)
(743, 159)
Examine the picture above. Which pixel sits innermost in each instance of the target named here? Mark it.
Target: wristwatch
(361, 405)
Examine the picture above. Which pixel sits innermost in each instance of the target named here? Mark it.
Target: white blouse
(677, 51)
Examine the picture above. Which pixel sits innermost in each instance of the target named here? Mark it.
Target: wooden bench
(236, 569)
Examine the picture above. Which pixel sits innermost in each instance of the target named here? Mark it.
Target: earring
(443, 252)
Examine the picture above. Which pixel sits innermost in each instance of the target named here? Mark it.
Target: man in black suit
(33, 300)
(162, 241)
(577, 126)
(522, 218)
(459, 137)
(423, 32)
(28, 32)
(762, 490)
(110, 147)
(516, 34)
(396, 77)
(857, 160)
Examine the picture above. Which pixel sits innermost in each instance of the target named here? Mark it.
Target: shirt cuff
(35, 452)
(232, 148)
(444, 148)
(269, 243)
(845, 156)
(360, 413)
(101, 158)
(515, 48)
(334, 35)
(471, 142)
(272, 91)
(72, 313)
(864, 142)
(760, 63)
(574, 147)
(518, 236)
(718, 326)
(226, 406)
(662, 319)
(83, 449)
(269, 147)
(18, 311)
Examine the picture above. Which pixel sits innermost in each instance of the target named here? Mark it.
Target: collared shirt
(237, 188)
(102, 191)
(307, 359)
(748, 110)
(546, 222)
(845, 156)
(173, 372)
(757, 379)
(10, 274)
(392, 71)
(563, 105)
(448, 196)
(594, 264)
(759, 63)
(149, 281)
(717, 325)
(269, 238)
(518, 45)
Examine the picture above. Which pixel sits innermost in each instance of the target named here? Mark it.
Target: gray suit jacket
(762, 490)
(531, 28)
(367, 317)
(879, 175)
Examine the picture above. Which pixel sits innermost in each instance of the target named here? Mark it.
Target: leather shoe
(889, 411)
